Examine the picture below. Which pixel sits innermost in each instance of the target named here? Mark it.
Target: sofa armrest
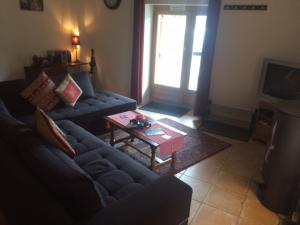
(166, 201)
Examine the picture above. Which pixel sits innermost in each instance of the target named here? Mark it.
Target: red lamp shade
(75, 40)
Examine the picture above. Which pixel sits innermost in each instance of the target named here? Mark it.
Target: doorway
(178, 35)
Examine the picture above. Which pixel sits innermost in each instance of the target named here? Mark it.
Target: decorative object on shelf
(35, 61)
(39, 61)
(75, 40)
(93, 63)
(246, 7)
(112, 4)
(56, 62)
(53, 57)
(59, 56)
(33, 5)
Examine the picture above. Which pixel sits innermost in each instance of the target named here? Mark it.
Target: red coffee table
(159, 145)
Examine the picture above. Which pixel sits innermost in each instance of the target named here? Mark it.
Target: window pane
(199, 34)
(194, 72)
(169, 50)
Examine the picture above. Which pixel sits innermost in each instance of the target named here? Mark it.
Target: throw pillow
(69, 91)
(84, 81)
(41, 93)
(48, 129)
(22, 194)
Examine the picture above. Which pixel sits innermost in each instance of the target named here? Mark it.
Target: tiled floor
(224, 184)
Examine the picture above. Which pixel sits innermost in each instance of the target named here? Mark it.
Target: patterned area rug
(198, 146)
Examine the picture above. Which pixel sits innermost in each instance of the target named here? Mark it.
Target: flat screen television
(279, 81)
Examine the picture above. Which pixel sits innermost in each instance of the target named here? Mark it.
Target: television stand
(263, 122)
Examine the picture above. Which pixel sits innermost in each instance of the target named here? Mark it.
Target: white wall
(109, 32)
(25, 33)
(244, 39)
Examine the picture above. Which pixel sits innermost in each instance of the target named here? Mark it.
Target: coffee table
(158, 144)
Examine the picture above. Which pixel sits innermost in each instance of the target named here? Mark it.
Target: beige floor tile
(211, 216)
(226, 139)
(251, 152)
(252, 190)
(254, 212)
(200, 188)
(242, 168)
(206, 170)
(232, 182)
(195, 205)
(222, 156)
(245, 222)
(244, 159)
(255, 146)
(257, 175)
(239, 153)
(228, 201)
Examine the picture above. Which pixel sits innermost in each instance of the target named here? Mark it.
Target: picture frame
(33, 5)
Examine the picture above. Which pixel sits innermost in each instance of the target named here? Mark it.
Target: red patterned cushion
(41, 93)
(69, 91)
(48, 129)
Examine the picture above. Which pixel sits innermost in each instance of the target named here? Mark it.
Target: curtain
(138, 50)
(202, 95)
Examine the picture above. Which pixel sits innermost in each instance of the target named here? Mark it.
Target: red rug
(198, 146)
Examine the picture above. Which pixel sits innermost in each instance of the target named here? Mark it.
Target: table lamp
(76, 42)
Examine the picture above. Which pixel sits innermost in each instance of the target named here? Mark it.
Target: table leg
(153, 151)
(174, 158)
(131, 138)
(112, 135)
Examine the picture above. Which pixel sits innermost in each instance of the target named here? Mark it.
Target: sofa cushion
(41, 93)
(116, 174)
(9, 93)
(104, 103)
(89, 113)
(48, 129)
(12, 129)
(23, 197)
(3, 108)
(83, 79)
(69, 91)
(61, 175)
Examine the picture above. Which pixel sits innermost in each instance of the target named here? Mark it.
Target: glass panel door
(169, 50)
(199, 33)
(177, 41)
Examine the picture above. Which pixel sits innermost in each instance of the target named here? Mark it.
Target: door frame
(170, 94)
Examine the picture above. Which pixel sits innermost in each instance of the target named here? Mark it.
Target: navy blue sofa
(40, 184)
(87, 113)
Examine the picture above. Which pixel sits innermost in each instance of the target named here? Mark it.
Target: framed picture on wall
(34, 5)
